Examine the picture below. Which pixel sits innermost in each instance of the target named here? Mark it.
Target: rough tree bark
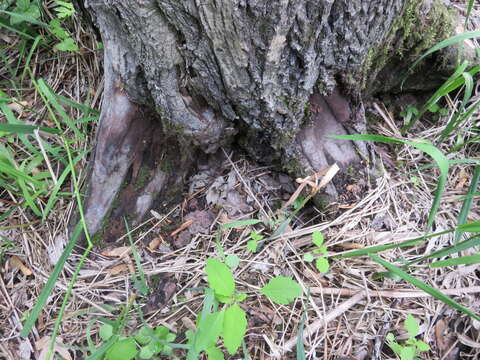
(271, 77)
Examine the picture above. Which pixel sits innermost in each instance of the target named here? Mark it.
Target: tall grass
(460, 80)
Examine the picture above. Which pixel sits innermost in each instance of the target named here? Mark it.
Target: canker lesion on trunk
(270, 78)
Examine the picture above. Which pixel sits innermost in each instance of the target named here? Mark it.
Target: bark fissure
(273, 76)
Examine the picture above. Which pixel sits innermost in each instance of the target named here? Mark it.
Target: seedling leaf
(232, 261)
(322, 264)
(282, 290)
(105, 332)
(408, 353)
(308, 257)
(317, 238)
(220, 277)
(148, 351)
(234, 328)
(422, 345)
(412, 326)
(255, 236)
(209, 331)
(67, 44)
(125, 349)
(252, 245)
(143, 336)
(214, 354)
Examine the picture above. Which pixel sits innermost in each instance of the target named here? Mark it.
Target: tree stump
(271, 78)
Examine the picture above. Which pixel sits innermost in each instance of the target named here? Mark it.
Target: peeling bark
(274, 78)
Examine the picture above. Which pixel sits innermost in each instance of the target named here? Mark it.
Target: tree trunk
(271, 77)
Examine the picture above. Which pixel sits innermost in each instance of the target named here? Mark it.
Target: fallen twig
(319, 323)
(400, 293)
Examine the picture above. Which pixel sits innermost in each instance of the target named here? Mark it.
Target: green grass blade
(49, 97)
(141, 283)
(240, 223)
(443, 165)
(11, 118)
(463, 260)
(467, 203)
(86, 109)
(469, 12)
(52, 199)
(29, 198)
(445, 43)
(15, 30)
(300, 348)
(42, 299)
(25, 129)
(28, 19)
(456, 122)
(208, 304)
(461, 246)
(29, 57)
(6, 215)
(379, 248)
(437, 294)
(472, 227)
(446, 88)
(17, 174)
(459, 116)
(6, 63)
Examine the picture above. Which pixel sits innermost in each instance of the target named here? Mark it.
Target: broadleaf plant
(222, 317)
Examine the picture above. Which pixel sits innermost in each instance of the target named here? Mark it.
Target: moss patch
(412, 34)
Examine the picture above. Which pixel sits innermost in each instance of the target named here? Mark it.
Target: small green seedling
(299, 202)
(144, 344)
(435, 108)
(63, 11)
(412, 347)
(252, 245)
(321, 261)
(415, 180)
(25, 10)
(223, 317)
(408, 114)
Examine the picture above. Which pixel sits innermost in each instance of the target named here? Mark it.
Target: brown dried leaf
(462, 180)
(17, 106)
(444, 340)
(201, 221)
(155, 243)
(119, 251)
(162, 295)
(189, 324)
(42, 346)
(16, 263)
(117, 269)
